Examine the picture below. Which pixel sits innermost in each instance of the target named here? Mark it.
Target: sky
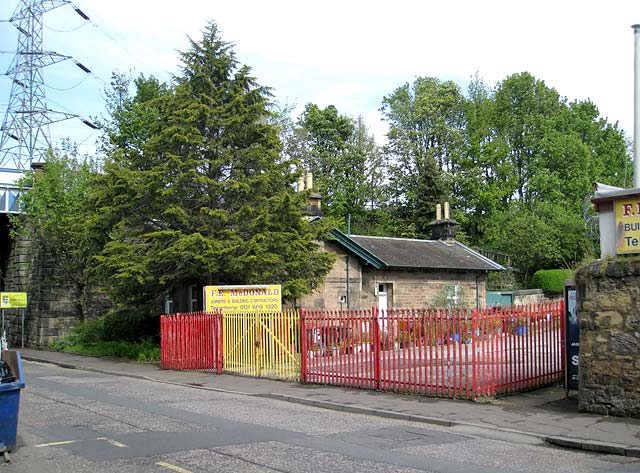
(347, 53)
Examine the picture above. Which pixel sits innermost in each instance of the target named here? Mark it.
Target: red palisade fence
(454, 353)
(435, 352)
(191, 341)
(518, 348)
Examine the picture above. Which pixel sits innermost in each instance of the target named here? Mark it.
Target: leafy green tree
(426, 140)
(324, 137)
(133, 120)
(357, 182)
(605, 146)
(347, 164)
(328, 133)
(525, 117)
(58, 215)
(199, 193)
(551, 236)
(479, 180)
(529, 165)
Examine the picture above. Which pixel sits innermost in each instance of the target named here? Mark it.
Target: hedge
(551, 280)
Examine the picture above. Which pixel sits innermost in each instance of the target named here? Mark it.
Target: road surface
(79, 421)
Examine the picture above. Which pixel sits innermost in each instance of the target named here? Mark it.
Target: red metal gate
(191, 341)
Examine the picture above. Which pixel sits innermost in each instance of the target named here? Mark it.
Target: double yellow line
(115, 444)
(66, 442)
(172, 467)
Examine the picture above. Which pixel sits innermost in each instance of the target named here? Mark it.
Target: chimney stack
(314, 202)
(443, 228)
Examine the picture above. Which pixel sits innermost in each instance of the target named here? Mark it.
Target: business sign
(573, 336)
(13, 300)
(627, 226)
(267, 298)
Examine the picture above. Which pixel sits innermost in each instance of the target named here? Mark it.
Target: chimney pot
(438, 212)
(309, 181)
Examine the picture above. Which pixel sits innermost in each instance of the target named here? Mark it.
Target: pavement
(545, 414)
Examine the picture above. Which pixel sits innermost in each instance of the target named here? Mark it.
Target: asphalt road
(79, 421)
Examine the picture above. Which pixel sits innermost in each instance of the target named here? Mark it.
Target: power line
(69, 88)
(121, 42)
(84, 23)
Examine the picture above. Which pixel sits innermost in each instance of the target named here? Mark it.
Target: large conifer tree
(195, 188)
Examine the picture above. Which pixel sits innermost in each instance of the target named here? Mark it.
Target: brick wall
(420, 288)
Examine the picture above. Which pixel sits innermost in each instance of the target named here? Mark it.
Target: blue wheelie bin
(10, 401)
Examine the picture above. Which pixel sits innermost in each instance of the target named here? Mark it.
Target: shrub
(551, 280)
(145, 351)
(130, 325)
(88, 332)
(121, 333)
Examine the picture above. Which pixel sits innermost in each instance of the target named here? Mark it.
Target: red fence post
(475, 339)
(303, 346)
(219, 318)
(563, 345)
(163, 342)
(376, 348)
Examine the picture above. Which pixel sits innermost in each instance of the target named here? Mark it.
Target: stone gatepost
(609, 315)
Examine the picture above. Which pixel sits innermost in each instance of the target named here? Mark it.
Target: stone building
(399, 272)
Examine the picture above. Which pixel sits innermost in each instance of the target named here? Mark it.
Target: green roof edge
(352, 246)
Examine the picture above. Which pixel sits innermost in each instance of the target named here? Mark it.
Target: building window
(452, 295)
(168, 304)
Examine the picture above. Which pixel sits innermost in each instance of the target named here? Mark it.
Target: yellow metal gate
(264, 345)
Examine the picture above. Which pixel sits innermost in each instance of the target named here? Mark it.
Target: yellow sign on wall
(627, 226)
(267, 298)
(13, 300)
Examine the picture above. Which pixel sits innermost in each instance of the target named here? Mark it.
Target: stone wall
(528, 296)
(328, 295)
(609, 316)
(420, 288)
(52, 300)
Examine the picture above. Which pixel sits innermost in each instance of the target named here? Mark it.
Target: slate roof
(383, 252)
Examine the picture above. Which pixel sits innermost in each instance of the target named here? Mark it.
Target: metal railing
(191, 341)
(435, 352)
(262, 344)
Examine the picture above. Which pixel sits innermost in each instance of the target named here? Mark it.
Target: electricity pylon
(25, 128)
